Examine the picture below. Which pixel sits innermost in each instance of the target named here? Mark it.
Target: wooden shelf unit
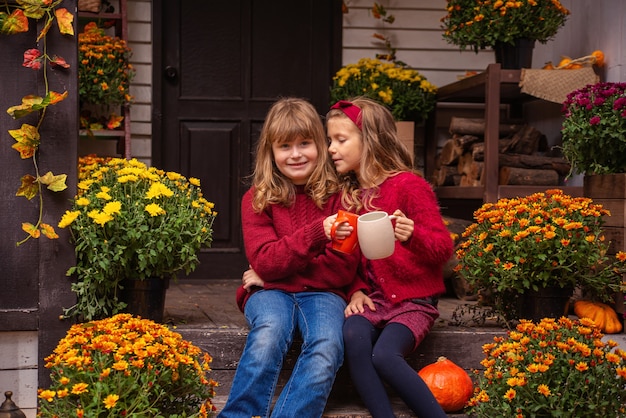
(123, 136)
(494, 87)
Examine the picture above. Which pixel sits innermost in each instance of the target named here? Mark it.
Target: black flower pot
(145, 298)
(515, 56)
(547, 302)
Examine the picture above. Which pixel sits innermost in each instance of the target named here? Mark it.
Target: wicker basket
(89, 5)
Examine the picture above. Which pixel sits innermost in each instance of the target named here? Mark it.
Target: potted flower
(519, 247)
(594, 129)
(409, 96)
(556, 367)
(125, 366)
(131, 222)
(104, 76)
(481, 24)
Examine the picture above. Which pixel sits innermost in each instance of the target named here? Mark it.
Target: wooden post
(609, 190)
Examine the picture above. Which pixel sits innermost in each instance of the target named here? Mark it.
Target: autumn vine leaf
(16, 22)
(48, 231)
(54, 183)
(29, 187)
(31, 229)
(65, 20)
(35, 9)
(27, 137)
(32, 59)
(114, 121)
(32, 103)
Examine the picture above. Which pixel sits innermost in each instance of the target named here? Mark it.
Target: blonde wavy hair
(383, 154)
(287, 119)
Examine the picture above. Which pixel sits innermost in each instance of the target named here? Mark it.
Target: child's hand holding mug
(343, 231)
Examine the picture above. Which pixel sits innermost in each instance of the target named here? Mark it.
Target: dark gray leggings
(375, 356)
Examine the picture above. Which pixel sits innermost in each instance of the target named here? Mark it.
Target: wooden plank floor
(211, 304)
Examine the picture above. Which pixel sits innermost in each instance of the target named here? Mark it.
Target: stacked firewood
(523, 156)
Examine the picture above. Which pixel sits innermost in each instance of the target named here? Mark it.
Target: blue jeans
(274, 318)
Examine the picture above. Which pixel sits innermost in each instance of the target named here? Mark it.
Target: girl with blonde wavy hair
(296, 284)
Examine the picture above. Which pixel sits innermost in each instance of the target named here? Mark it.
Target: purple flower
(594, 120)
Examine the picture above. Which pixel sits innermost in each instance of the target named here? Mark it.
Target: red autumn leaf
(29, 187)
(15, 23)
(65, 20)
(32, 59)
(31, 229)
(59, 62)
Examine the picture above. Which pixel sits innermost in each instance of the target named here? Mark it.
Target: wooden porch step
(461, 345)
(204, 312)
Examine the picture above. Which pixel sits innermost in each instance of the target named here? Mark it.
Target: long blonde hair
(287, 119)
(383, 154)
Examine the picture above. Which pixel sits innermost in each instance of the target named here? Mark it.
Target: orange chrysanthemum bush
(130, 367)
(553, 368)
(104, 71)
(541, 240)
(104, 76)
(483, 23)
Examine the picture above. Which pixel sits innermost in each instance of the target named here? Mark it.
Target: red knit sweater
(415, 268)
(287, 248)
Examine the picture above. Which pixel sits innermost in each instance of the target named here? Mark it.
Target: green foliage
(407, 94)
(483, 23)
(594, 130)
(554, 368)
(132, 221)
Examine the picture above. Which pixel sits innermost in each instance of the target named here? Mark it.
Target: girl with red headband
(396, 304)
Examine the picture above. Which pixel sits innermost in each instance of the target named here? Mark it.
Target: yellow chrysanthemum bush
(407, 94)
(131, 221)
(541, 240)
(551, 368)
(126, 366)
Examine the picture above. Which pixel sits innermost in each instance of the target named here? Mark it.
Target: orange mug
(348, 244)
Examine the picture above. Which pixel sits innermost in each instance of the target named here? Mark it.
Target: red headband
(350, 110)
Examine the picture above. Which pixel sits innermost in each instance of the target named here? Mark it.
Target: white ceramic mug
(376, 236)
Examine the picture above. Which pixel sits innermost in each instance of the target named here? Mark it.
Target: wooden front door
(218, 66)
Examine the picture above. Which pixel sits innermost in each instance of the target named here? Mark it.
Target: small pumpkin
(602, 314)
(449, 383)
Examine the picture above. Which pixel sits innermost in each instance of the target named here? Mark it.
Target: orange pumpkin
(449, 383)
(602, 314)
(598, 57)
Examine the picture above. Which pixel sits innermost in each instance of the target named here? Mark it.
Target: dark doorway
(218, 66)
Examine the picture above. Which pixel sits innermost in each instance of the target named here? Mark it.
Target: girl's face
(346, 145)
(296, 159)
